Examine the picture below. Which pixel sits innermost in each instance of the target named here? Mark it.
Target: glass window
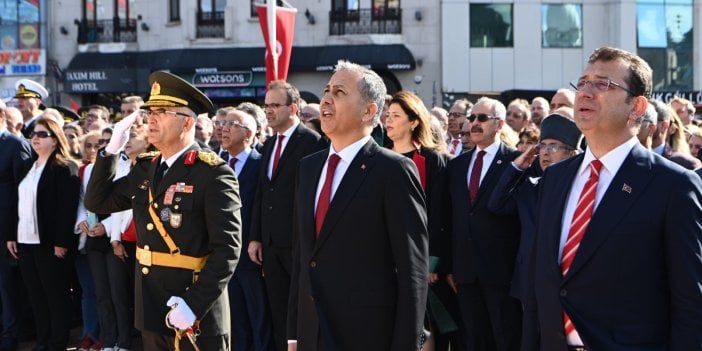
(561, 25)
(174, 10)
(664, 36)
(491, 25)
(20, 24)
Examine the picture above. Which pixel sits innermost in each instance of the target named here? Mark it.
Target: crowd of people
(366, 221)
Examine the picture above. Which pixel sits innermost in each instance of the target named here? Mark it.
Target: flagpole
(272, 35)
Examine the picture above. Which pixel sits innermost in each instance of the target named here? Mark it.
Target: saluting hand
(525, 160)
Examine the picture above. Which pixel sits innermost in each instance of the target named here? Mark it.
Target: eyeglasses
(160, 111)
(551, 148)
(482, 117)
(456, 114)
(600, 85)
(103, 141)
(233, 124)
(273, 105)
(40, 134)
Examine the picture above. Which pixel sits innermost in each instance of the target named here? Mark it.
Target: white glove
(120, 133)
(181, 316)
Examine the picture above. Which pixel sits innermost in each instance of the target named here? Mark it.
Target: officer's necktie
(160, 171)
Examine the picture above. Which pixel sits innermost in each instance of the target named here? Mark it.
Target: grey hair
(498, 108)
(371, 86)
(255, 111)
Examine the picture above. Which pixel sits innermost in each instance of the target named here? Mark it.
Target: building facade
(532, 47)
(106, 49)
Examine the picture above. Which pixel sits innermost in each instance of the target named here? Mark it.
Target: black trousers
(277, 269)
(46, 278)
(157, 342)
(492, 319)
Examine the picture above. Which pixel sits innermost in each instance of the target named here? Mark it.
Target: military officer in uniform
(186, 213)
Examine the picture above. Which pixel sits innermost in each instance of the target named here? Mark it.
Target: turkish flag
(284, 32)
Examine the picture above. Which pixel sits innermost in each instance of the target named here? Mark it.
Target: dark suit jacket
(248, 179)
(635, 281)
(272, 211)
(58, 193)
(13, 152)
(362, 285)
(210, 225)
(484, 244)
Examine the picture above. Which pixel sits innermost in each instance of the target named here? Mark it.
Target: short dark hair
(293, 95)
(640, 74)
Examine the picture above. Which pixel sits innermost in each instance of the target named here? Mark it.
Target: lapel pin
(363, 167)
(626, 188)
(499, 162)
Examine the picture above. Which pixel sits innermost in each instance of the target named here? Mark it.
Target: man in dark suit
(186, 213)
(14, 151)
(484, 244)
(251, 324)
(617, 257)
(272, 215)
(361, 250)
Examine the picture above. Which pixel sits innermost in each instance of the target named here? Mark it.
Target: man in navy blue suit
(619, 230)
(251, 324)
(13, 151)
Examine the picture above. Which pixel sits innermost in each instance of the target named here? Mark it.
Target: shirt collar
(171, 160)
(491, 150)
(243, 155)
(288, 132)
(348, 153)
(612, 160)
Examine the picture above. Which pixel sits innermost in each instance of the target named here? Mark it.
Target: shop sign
(22, 62)
(667, 96)
(99, 81)
(222, 79)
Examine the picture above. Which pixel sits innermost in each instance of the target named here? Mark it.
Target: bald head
(13, 120)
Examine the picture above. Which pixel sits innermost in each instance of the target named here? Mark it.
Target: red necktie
(454, 142)
(276, 158)
(581, 218)
(474, 184)
(325, 195)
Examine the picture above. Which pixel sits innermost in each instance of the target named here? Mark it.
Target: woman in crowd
(89, 338)
(47, 206)
(408, 126)
(527, 138)
(73, 133)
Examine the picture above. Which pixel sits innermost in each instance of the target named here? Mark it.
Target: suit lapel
(352, 180)
(552, 211)
(177, 171)
(493, 173)
(289, 149)
(250, 167)
(626, 187)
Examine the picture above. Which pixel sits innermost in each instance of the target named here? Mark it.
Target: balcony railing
(116, 30)
(365, 21)
(210, 24)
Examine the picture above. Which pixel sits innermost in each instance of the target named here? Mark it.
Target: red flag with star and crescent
(284, 33)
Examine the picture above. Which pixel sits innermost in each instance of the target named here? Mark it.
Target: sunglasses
(103, 141)
(40, 134)
(482, 117)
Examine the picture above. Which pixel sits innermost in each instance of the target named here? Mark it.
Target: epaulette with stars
(148, 156)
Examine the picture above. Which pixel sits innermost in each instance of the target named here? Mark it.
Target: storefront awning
(94, 72)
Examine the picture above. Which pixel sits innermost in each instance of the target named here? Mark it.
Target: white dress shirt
(490, 153)
(288, 133)
(611, 162)
(347, 155)
(240, 160)
(28, 227)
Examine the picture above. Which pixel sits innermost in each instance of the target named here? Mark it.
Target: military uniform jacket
(202, 217)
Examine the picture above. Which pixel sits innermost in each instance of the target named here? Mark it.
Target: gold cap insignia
(21, 89)
(156, 89)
